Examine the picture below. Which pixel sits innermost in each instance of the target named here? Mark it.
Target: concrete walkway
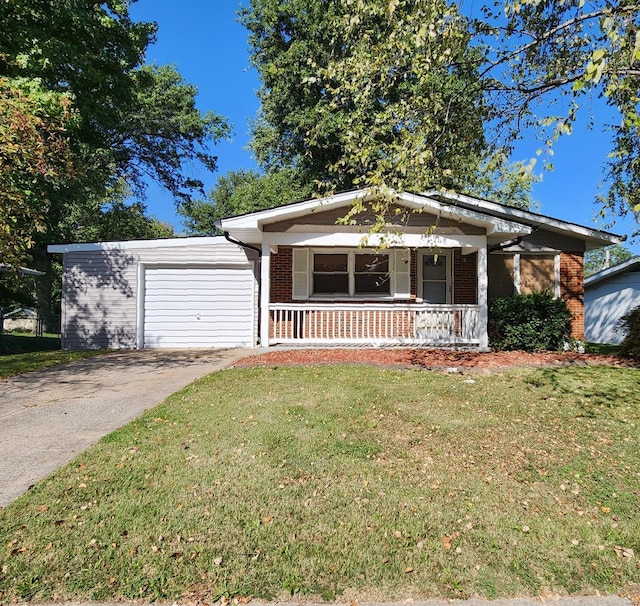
(49, 416)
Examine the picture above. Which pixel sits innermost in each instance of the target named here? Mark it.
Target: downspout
(233, 240)
(239, 243)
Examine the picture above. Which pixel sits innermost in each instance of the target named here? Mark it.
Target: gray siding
(100, 288)
(606, 302)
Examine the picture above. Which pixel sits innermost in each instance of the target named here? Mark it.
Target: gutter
(239, 243)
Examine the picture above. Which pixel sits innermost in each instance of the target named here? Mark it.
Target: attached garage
(174, 293)
(185, 306)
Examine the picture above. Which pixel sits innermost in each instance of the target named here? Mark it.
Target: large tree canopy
(547, 64)
(414, 94)
(132, 122)
(367, 92)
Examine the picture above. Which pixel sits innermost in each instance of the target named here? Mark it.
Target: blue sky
(203, 39)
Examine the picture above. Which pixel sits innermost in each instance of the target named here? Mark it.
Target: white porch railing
(380, 324)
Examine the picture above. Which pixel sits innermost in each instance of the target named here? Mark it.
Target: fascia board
(528, 217)
(135, 244)
(392, 240)
(251, 224)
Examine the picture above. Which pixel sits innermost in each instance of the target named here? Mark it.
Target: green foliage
(367, 94)
(539, 52)
(240, 192)
(630, 324)
(34, 158)
(532, 322)
(598, 259)
(131, 122)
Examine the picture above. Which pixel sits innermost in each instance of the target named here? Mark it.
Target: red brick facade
(572, 289)
(464, 281)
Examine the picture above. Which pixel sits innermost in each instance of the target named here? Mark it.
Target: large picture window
(351, 274)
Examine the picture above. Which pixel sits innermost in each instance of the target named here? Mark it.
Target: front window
(351, 274)
(331, 274)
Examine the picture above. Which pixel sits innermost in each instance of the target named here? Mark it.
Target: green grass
(345, 482)
(20, 352)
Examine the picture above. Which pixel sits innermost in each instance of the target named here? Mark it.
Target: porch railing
(380, 324)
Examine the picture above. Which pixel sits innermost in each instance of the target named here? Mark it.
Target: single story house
(295, 274)
(608, 296)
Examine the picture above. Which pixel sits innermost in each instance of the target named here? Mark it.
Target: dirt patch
(426, 358)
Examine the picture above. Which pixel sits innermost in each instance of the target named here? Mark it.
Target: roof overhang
(593, 238)
(135, 244)
(632, 264)
(250, 227)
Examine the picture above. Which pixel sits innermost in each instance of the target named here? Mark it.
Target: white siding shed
(608, 296)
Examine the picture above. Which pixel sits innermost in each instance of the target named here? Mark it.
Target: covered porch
(376, 324)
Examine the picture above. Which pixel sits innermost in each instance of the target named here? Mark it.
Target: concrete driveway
(49, 416)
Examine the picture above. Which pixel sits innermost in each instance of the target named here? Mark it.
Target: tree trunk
(43, 291)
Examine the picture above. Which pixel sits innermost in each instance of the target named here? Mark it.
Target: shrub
(630, 324)
(533, 322)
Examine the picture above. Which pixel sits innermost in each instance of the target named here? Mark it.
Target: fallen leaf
(218, 561)
(624, 552)
(408, 570)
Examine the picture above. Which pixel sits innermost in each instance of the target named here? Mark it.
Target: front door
(435, 278)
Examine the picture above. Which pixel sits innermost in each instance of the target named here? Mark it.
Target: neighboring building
(608, 296)
(293, 275)
(25, 320)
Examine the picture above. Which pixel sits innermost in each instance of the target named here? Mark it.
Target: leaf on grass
(218, 561)
(624, 552)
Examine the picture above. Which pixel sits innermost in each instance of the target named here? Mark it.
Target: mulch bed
(426, 358)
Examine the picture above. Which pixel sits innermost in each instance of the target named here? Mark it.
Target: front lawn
(350, 483)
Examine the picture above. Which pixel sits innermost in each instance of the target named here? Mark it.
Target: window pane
(434, 267)
(330, 262)
(329, 284)
(372, 284)
(435, 292)
(366, 263)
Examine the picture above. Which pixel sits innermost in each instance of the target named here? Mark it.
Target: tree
(34, 158)
(601, 258)
(367, 93)
(540, 52)
(134, 122)
(243, 191)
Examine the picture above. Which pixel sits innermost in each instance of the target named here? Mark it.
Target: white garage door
(199, 307)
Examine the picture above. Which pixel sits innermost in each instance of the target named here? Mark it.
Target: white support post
(483, 300)
(265, 294)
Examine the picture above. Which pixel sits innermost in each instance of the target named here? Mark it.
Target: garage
(165, 293)
(198, 306)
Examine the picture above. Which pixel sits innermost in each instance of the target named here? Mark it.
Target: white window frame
(556, 269)
(449, 286)
(351, 265)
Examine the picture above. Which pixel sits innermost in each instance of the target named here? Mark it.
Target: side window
(537, 272)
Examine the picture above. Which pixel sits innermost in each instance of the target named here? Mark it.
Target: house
(296, 275)
(608, 296)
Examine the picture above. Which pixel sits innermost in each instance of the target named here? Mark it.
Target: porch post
(483, 299)
(265, 294)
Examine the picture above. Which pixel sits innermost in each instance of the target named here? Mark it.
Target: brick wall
(572, 289)
(465, 278)
(282, 275)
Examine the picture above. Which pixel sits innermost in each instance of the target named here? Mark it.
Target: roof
(502, 222)
(23, 271)
(632, 264)
(136, 244)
